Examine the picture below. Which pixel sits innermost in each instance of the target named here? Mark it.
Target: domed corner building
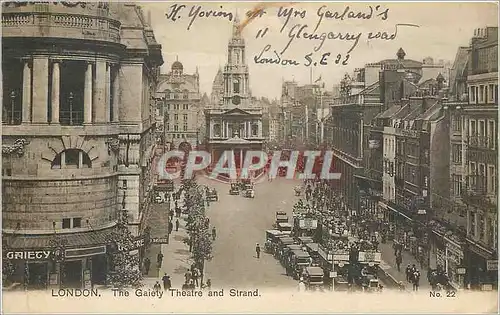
(77, 132)
(180, 109)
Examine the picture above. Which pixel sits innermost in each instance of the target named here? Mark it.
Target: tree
(126, 271)
(199, 241)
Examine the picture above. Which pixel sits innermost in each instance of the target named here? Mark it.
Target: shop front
(77, 260)
(481, 267)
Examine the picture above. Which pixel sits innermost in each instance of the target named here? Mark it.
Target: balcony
(71, 118)
(60, 25)
(481, 142)
(10, 117)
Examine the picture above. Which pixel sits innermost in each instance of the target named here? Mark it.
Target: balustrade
(98, 27)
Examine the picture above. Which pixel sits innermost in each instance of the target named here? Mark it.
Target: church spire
(236, 25)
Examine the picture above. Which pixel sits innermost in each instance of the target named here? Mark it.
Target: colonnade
(98, 89)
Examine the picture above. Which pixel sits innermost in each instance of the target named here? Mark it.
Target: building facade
(180, 106)
(480, 159)
(78, 127)
(235, 122)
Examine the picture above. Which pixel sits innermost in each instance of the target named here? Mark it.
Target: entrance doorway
(72, 274)
(37, 275)
(99, 269)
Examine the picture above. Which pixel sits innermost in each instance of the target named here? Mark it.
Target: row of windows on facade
(490, 238)
(176, 127)
(181, 135)
(486, 183)
(409, 172)
(176, 95)
(233, 130)
(177, 106)
(176, 117)
(483, 94)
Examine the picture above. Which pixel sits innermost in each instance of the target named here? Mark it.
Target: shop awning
(74, 240)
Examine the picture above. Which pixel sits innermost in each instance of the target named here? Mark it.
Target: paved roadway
(241, 224)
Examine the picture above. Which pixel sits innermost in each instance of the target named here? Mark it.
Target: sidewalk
(176, 255)
(388, 264)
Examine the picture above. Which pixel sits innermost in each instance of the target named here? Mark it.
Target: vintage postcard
(250, 157)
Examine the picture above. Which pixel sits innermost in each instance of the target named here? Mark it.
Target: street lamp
(12, 106)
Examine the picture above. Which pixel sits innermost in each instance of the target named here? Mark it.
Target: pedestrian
(159, 259)
(257, 250)
(185, 286)
(208, 285)
(416, 280)
(408, 272)
(214, 233)
(177, 225)
(167, 284)
(147, 265)
(157, 286)
(177, 212)
(191, 285)
(170, 227)
(399, 260)
(187, 276)
(196, 276)
(171, 214)
(301, 286)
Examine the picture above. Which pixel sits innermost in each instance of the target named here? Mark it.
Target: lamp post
(70, 102)
(12, 106)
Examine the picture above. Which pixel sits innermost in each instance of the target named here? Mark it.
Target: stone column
(108, 92)
(87, 98)
(245, 130)
(99, 102)
(116, 96)
(26, 92)
(56, 87)
(259, 130)
(40, 89)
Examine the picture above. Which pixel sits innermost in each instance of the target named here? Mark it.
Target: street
(241, 224)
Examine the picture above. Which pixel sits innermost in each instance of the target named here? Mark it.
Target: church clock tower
(236, 78)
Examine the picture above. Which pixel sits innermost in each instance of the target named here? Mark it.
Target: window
(457, 185)
(457, 153)
(481, 226)
(492, 136)
(236, 86)
(185, 95)
(124, 184)
(167, 127)
(176, 117)
(176, 107)
(472, 130)
(185, 117)
(217, 130)
(66, 223)
(492, 177)
(71, 158)
(6, 172)
(457, 123)
(185, 127)
(168, 94)
(176, 128)
(254, 130)
(185, 106)
(167, 107)
(77, 222)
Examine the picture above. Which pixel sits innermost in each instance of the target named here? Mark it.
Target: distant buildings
(234, 121)
(179, 107)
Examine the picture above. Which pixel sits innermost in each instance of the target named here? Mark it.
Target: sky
(442, 28)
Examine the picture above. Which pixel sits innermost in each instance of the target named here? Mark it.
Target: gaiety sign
(28, 255)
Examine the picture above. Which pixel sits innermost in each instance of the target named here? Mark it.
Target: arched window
(71, 158)
(236, 86)
(217, 130)
(185, 94)
(167, 94)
